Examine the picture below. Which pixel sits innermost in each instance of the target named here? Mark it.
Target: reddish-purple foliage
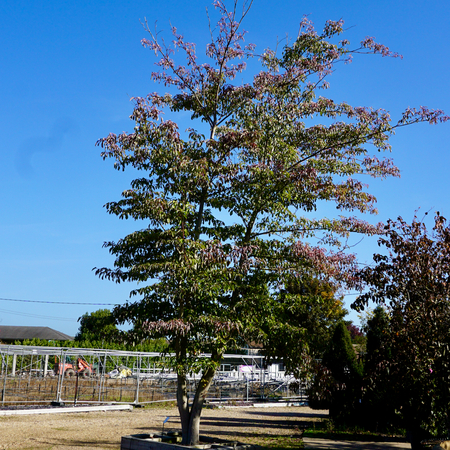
(354, 331)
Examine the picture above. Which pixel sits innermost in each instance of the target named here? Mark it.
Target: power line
(66, 319)
(57, 303)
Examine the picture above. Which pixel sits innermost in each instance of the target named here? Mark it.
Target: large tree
(413, 279)
(223, 204)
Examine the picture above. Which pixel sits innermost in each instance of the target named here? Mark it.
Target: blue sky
(68, 70)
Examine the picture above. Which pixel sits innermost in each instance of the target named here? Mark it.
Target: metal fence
(41, 375)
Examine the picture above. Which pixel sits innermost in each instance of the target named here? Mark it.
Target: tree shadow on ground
(228, 434)
(237, 422)
(265, 425)
(78, 443)
(246, 423)
(289, 414)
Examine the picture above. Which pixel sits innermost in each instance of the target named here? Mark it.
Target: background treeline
(151, 345)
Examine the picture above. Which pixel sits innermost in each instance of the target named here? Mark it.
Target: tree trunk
(183, 404)
(190, 417)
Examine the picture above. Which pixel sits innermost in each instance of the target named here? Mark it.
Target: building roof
(12, 333)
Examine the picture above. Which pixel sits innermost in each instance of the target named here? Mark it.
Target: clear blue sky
(67, 71)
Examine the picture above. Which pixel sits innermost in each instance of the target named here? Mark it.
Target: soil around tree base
(104, 430)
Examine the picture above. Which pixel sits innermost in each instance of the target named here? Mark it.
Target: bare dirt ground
(103, 430)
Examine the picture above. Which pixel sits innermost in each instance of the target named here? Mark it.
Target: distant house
(10, 334)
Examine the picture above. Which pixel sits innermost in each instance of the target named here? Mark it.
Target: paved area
(329, 444)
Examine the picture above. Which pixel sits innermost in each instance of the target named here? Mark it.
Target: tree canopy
(227, 204)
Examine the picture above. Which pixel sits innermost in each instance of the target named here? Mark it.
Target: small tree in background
(340, 357)
(380, 401)
(378, 348)
(97, 326)
(304, 316)
(346, 371)
(356, 335)
(223, 204)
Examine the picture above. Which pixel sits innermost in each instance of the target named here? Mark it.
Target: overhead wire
(57, 303)
(24, 314)
(66, 319)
